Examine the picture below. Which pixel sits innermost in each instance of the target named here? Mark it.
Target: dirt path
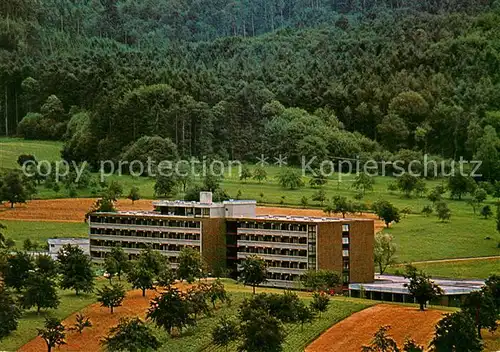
(451, 260)
(357, 330)
(74, 210)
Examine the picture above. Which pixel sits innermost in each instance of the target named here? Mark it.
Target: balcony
(247, 231)
(144, 239)
(134, 250)
(267, 244)
(99, 225)
(280, 270)
(286, 258)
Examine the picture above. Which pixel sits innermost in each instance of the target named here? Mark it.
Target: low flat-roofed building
(227, 232)
(55, 244)
(391, 288)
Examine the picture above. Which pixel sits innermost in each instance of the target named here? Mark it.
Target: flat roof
(395, 284)
(68, 240)
(285, 218)
(183, 203)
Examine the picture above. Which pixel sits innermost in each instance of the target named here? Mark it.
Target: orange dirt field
(74, 210)
(102, 320)
(134, 305)
(357, 330)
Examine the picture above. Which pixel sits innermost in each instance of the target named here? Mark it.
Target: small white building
(55, 244)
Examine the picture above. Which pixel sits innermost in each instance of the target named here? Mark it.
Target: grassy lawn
(41, 231)
(477, 269)
(30, 321)
(13, 147)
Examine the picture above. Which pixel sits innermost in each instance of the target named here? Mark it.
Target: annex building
(227, 232)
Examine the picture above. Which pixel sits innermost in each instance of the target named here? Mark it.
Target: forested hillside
(240, 78)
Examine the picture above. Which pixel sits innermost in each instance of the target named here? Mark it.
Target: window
(345, 228)
(345, 278)
(345, 240)
(345, 253)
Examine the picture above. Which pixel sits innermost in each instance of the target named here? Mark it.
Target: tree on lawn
(245, 173)
(421, 287)
(318, 179)
(320, 302)
(40, 292)
(110, 266)
(121, 261)
(225, 332)
(492, 287)
(304, 314)
(9, 313)
(217, 291)
(320, 280)
(384, 251)
(134, 194)
(141, 277)
(486, 211)
(114, 191)
(152, 260)
(363, 182)
(171, 310)
(436, 194)
(111, 296)
(166, 277)
(387, 212)
(76, 269)
(131, 334)
(14, 188)
(289, 178)
(262, 333)
(165, 185)
(17, 270)
(478, 197)
(47, 266)
(53, 333)
(342, 205)
(459, 185)
(319, 196)
(443, 211)
(407, 184)
(259, 174)
(481, 307)
(190, 265)
(456, 332)
(253, 271)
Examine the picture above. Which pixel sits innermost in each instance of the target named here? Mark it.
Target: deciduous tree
(131, 334)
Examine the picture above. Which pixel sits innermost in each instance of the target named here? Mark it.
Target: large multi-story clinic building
(226, 233)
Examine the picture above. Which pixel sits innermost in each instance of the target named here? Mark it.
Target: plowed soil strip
(357, 330)
(74, 210)
(134, 305)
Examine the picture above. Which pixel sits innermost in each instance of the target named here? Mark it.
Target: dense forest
(234, 79)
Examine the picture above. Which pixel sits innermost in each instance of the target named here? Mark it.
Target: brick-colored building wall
(361, 251)
(213, 243)
(329, 246)
(361, 240)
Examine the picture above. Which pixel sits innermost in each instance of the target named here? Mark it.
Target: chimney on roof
(206, 197)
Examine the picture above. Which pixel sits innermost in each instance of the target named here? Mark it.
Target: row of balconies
(270, 257)
(143, 239)
(144, 227)
(262, 244)
(243, 231)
